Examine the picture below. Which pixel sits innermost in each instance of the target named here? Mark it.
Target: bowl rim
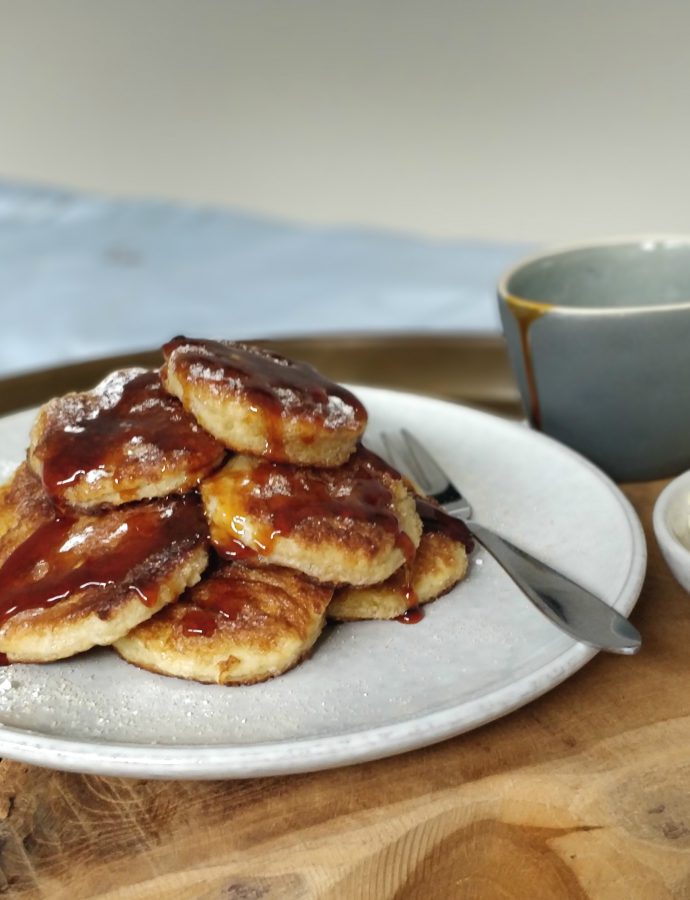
(667, 239)
(664, 535)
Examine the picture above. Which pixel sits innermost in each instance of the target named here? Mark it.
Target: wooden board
(584, 793)
(474, 370)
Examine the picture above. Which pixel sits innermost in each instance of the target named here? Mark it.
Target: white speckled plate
(370, 689)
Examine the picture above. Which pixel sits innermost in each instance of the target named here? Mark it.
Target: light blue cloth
(84, 276)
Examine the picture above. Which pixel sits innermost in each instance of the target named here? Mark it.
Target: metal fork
(574, 609)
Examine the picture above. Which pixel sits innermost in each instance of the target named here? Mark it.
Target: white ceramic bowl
(672, 527)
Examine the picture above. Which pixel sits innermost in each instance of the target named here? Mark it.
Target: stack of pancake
(208, 518)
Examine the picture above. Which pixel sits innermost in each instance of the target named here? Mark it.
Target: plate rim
(282, 757)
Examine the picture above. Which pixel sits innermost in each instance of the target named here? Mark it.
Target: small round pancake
(127, 439)
(239, 625)
(8, 514)
(68, 583)
(356, 524)
(439, 564)
(260, 403)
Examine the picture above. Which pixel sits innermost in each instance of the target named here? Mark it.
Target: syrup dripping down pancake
(102, 530)
(355, 524)
(125, 440)
(440, 562)
(260, 403)
(239, 625)
(68, 583)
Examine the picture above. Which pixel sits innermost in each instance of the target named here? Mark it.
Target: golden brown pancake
(355, 524)
(101, 530)
(127, 439)
(260, 403)
(239, 625)
(68, 583)
(439, 564)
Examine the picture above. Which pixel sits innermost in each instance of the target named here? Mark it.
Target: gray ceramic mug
(599, 340)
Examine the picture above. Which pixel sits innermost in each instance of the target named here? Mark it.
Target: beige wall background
(543, 119)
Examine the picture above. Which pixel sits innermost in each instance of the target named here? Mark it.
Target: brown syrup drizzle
(434, 519)
(217, 598)
(413, 613)
(198, 623)
(410, 593)
(263, 377)
(49, 567)
(526, 313)
(144, 415)
(412, 616)
(308, 496)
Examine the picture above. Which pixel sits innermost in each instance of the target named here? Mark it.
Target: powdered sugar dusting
(276, 385)
(340, 414)
(199, 372)
(110, 390)
(68, 413)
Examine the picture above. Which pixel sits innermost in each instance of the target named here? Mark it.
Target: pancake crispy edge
(125, 440)
(262, 404)
(328, 545)
(239, 625)
(440, 563)
(43, 557)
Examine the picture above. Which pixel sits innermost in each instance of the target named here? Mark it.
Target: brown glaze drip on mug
(526, 313)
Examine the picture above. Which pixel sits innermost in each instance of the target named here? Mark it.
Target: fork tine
(431, 473)
(393, 454)
(399, 456)
(436, 482)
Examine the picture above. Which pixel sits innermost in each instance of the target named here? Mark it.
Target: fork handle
(578, 612)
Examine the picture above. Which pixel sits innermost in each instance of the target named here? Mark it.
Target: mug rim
(563, 249)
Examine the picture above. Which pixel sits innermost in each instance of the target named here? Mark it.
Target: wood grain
(584, 793)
